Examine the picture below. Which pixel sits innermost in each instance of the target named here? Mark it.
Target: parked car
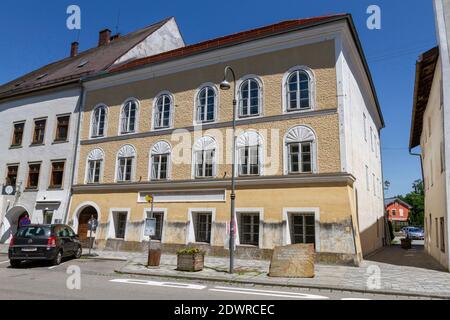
(404, 230)
(415, 234)
(43, 242)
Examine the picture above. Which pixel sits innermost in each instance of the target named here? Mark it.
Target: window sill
(30, 190)
(298, 110)
(248, 245)
(15, 147)
(97, 137)
(60, 141)
(54, 188)
(37, 145)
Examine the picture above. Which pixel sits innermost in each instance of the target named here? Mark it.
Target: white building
(430, 130)
(39, 114)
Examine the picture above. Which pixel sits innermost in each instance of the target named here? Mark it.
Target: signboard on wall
(8, 190)
(150, 227)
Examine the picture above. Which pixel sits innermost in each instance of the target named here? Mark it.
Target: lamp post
(225, 85)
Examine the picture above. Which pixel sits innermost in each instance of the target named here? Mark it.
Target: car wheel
(78, 253)
(15, 263)
(57, 260)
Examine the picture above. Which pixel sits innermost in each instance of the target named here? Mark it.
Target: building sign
(150, 227)
(9, 190)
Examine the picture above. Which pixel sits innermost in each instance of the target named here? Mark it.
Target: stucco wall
(270, 68)
(332, 205)
(434, 178)
(27, 109)
(361, 134)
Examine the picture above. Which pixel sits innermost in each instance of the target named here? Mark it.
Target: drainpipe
(74, 164)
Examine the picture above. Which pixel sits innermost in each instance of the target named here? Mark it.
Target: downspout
(74, 164)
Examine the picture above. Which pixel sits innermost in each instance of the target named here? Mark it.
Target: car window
(62, 232)
(34, 232)
(70, 232)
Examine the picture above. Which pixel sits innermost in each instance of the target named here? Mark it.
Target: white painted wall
(442, 13)
(357, 152)
(166, 38)
(45, 105)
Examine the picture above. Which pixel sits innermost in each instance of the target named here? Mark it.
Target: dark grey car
(44, 242)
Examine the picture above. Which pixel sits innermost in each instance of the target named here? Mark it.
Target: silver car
(415, 233)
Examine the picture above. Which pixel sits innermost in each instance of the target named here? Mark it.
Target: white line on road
(2, 262)
(281, 294)
(160, 284)
(53, 267)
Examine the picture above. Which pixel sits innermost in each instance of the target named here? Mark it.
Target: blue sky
(34, 33)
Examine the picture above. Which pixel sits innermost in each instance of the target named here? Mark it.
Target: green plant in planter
(190, 259)
(191, 251)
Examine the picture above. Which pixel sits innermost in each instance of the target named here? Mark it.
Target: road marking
(282, 294)
(350, 299)
(160, 284)
(2, 262)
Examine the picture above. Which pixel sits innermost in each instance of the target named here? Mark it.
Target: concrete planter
(190, 262)
(405, 243)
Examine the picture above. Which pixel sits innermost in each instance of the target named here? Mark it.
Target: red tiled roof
(232, 39)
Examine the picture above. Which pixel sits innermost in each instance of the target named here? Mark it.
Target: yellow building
(307, 148)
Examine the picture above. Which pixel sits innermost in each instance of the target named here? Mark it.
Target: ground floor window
(202, 226)
(303, 229)
(159, 216)
(120, 224)
(249, 229)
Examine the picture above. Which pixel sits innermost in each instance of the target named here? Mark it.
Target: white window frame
(237, 217)
(136, 124)
(247, 139)
(171, 111)
(312, 89)
(239, 85)
(190, 234)
(197, 104)
(206, 143)
(161, 147)
(96, 154)
(300, 134)
(287, 227)
(112, 226)
(105, 129)
(133, 165)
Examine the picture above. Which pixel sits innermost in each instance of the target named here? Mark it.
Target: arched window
(94, 166)
(163, 111)
(205, 158)
(160, 161)
(206, 104)
(300, 150)
(128, 117)
(250, 98)
(98, 122)
(299, 90)
(126, 160)
(249, 152)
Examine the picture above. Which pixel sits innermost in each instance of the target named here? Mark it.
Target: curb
(290, 285)
(104, 258)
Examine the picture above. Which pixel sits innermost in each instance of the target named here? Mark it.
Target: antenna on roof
(118, 21)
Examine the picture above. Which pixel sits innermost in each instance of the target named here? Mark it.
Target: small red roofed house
(398, 212)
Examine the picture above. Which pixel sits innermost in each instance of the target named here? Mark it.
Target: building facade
(39, 113)
(430, 130)
(307, 146)
(397, 212)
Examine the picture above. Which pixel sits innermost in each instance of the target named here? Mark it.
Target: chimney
(115, 37)
(104, 37)
(74, 49)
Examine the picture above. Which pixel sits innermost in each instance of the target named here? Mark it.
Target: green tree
(416, 198)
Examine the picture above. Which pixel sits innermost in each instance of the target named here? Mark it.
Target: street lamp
(225, 85)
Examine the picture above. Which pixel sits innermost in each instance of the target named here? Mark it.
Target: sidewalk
(395, 280)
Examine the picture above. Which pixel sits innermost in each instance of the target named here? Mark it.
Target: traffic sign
(149, 198)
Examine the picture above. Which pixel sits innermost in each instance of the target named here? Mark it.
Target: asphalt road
(97, 280)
